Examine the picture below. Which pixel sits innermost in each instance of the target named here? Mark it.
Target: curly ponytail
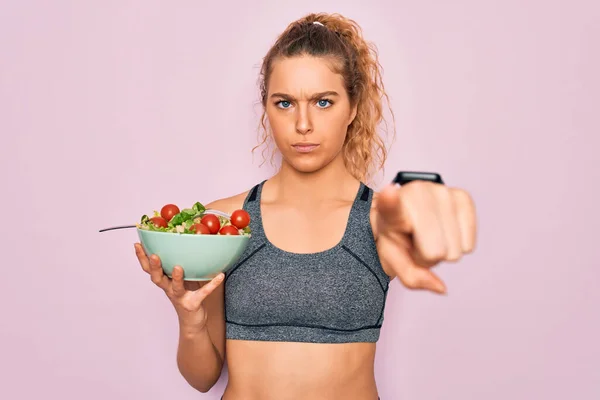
(340, 38)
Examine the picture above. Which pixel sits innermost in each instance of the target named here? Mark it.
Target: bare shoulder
(229, 204)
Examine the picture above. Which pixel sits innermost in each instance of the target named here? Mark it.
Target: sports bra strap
(252, 206)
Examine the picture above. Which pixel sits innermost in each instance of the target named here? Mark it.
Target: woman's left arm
(417, 226)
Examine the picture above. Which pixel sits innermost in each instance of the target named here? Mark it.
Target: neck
(331, 182)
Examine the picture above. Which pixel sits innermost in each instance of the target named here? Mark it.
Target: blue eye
(284, 104)
(324, 103)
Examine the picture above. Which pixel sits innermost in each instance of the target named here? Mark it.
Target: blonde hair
(340, 38)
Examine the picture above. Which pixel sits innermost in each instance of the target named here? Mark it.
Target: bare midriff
(300, 371)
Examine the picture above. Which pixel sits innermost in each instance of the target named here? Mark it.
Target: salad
(196, 221)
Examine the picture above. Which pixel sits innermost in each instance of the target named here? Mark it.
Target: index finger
(409, 272)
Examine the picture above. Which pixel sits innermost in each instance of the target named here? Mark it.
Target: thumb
(202, 293)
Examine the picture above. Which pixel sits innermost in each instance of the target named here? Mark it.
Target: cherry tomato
(169, 211)
(159, 222)
(240, 219)
(229, 230)
(200, 229)
(212, 222)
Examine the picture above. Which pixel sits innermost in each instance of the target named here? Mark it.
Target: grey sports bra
(334, 296)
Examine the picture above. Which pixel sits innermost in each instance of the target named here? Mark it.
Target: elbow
(202, 382)
(203, 388)
(201, 385)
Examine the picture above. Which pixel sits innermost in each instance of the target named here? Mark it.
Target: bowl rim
(234, 237)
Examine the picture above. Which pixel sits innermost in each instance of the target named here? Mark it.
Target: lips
(305, 147)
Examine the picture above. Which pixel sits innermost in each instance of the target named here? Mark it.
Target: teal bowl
(202, 257)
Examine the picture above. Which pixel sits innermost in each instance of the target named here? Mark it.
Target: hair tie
(317, 23)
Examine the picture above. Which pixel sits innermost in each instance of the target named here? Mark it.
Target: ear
(353, 113)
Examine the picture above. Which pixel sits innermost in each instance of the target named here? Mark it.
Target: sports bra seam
(381, 313)
(252, 254)
(378, 326)
(360, 260)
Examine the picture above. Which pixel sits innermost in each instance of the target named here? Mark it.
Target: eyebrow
(315, 96)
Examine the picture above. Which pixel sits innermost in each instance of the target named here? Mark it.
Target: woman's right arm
(200, 353)
(201, 349)
(200, 311)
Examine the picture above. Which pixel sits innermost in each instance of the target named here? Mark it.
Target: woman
(301, 312)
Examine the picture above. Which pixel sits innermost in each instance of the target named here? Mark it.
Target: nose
(303, 120)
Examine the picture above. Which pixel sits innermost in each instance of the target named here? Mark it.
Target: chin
(307, 165)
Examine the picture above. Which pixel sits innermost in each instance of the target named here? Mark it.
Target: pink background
(110, 109)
